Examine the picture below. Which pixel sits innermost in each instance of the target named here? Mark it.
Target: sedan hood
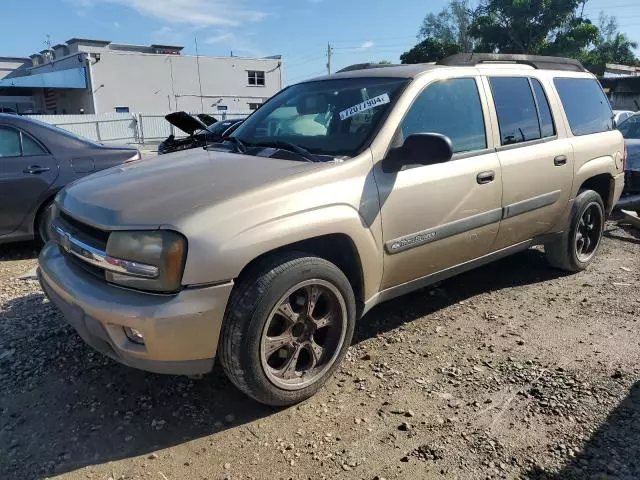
(166, 190)
(185, 122)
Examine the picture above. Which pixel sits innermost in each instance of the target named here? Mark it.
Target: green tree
(430, 50)
(451, 25)
(528, 26)
(611, 46)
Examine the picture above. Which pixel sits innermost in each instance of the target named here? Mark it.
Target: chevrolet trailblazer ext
(337, 194)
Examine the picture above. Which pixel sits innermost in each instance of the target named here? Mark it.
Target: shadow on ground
(617, 232)
(63, 407)
(19, 251)
(612, 452)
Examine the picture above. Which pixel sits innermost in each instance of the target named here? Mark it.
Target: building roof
(100, 43)
(15, 59)
(173, 47)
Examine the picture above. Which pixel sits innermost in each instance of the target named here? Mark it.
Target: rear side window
(588, 109)
(452, 108)
(516, 109)
(9, 142)
(546, 119)
(30, 147)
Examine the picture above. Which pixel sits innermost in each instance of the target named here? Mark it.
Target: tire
(253, 310)
(566, 252)
(43, 223)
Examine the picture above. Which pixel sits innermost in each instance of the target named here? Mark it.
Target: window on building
(256, 78)
(546, 119)
(451, 108)
(122, 109)
(588, 109)
(254, 106)
(9, 142)
(516, 109)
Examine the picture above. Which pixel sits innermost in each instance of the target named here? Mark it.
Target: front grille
(93, 236)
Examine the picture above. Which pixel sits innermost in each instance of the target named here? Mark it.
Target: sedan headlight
(153, 261)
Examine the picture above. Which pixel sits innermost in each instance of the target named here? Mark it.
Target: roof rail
(536, 61)
(365, 66)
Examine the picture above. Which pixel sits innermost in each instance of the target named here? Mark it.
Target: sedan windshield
(630, 128)
(329, 117)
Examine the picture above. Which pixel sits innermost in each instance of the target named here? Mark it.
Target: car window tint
(9, 142)
(546, 119)
(516, 109)
(451, 108)
(588, 109)
(30, 147)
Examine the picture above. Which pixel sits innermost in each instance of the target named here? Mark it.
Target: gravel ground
(510, 371)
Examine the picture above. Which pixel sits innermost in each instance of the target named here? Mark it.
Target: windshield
(219, 128)
(330, 117)
(630, 128)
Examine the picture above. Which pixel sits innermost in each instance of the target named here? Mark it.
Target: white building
(95, 76)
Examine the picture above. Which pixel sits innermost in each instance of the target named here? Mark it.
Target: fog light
(134, 335)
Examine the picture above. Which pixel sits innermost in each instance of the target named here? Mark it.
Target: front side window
(256, 78)
(516, 109)
(335, 117)
(451, 108)
(587, 107)
(9, 142)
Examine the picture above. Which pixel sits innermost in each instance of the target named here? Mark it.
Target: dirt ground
(514, 370)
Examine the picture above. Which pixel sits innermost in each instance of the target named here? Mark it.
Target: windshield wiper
(290, 147)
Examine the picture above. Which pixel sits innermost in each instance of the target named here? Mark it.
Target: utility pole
(329, 52)
(199, 78)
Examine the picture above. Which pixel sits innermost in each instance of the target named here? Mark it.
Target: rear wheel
(43, 223)
(287, 328)
(575, 248)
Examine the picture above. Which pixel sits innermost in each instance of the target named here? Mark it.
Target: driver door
(438, 216)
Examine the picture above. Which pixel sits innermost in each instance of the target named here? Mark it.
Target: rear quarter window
(587, 107)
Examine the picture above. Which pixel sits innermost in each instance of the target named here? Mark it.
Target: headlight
(141, 251)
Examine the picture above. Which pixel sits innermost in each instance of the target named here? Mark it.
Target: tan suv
(337, 194)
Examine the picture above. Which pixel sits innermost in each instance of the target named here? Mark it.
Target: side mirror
(420, 149)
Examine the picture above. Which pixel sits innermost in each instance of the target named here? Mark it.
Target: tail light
(137, 156)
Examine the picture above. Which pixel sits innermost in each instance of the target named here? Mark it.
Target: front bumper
(181, 331)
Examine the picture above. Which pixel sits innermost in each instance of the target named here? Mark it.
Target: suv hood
(188, 123)
(166, 190)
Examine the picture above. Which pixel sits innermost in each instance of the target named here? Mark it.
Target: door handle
(35, 169)
(486, 177)
(560, 160)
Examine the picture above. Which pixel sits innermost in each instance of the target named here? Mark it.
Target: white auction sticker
(364, 106)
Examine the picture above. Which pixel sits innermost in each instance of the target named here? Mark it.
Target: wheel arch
(604, 185)
(337, 248)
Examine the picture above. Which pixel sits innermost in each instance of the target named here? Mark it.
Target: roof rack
(536, 61)
(365, 66)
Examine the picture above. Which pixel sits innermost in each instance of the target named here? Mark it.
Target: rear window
(588, 109)
(516, 109)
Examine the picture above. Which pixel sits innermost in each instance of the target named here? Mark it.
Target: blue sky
(359, 30)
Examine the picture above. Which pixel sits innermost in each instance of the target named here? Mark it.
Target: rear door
(535, 155)
(27, 170)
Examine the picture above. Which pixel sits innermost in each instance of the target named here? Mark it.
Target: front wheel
(574, 250)
(43, 223)
(287, 328)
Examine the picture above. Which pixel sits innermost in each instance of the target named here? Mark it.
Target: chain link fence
(124, 127)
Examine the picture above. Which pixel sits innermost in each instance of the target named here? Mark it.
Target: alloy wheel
(588, 232)
(304, 334)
